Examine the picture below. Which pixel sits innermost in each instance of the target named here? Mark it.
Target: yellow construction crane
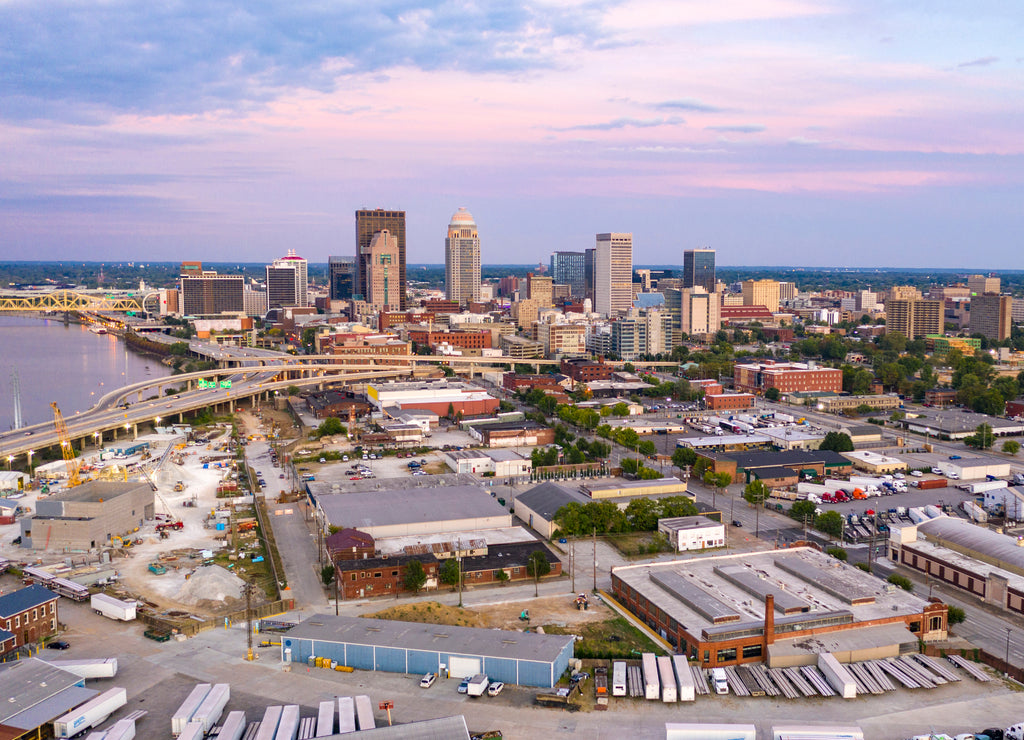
(65, 447)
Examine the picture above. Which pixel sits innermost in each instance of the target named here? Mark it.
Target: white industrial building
(975, 468)
(693, 532)
(873, 462)
(503, 463)
(13, 480)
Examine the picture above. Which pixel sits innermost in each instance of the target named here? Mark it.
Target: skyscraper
(613, 274)
(380, 263)
(991, 315)
(287, 281)
(341, 273)
(913, 318)
(588, 274)
(761, 293)
(567, 268)
(462, 259)
(368, 223)
(699, 269)
(209, 294)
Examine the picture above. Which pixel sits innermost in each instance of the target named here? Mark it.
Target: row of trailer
(673, 679)
(198, 715)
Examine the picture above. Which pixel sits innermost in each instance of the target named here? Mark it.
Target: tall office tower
(761, 293)
(980, 285)
(287, 281)
(462, 259)
(567, 268)
(341, 275)
(588, 273)
(992, 316)
(382, 276)
(613, 274)
(254, 301)
(368, 223)
(787, 292)
(913, 318)
(699, 269)
(540, 288)
(208, 294)
(700, 312)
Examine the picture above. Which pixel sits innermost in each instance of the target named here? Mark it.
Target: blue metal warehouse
(523, 658)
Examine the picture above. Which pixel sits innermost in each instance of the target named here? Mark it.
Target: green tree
(831, 523)
(329, 426)
(802, 509)
(837, 442)
(674, 506)
(1011, 447)
(982, 438)
(838, 553)
(647, 448)
(180, 349)
(620, 409)
(683, 457)
(901, 581)
(537, 566)
(756, 492)
(772, 394)
(501, 575)
(415, 577)
(327, 574)
(309, 339)
(955, 614)
(631, 466)
(604, 431)
(293, 390)
(448, 573)
(642, 514)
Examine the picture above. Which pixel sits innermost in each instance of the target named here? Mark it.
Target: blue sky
(774, 131)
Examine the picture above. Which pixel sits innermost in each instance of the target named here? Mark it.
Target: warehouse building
(874, 463)
(972, 559)
(975, 468)
(501, 463)
(781, 607)
(88, 516)
(35, 694)
(622, 488)
(822, 463)
(522, 658)
(444, 397)
(692, 532)
(513, 434)
(413, 510)
(538, 506)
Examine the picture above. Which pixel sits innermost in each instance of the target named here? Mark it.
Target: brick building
(786, 377)
(464, 339)
(728, 401)
(438, 306)
(585, 371)
(350, 544)
(514, 434)
(338, 404)
(27, 615)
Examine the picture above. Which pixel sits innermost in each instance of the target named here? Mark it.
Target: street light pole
(1008, 630)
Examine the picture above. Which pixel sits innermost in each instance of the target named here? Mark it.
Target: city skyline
(826, 133)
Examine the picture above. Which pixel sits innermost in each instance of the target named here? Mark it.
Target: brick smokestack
(769, 619)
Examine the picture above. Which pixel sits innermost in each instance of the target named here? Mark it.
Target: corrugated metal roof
(26, 683)
(443, 728)
(411, 505)
(967, 537)
(547, 498)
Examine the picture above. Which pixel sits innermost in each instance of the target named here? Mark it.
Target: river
(64, 363)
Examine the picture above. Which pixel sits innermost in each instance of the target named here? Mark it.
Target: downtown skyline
(814, 133)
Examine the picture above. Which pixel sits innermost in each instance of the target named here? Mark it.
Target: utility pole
(458, 559)
(595, 559)
(250, 586)
(336, 589)
(572, 563)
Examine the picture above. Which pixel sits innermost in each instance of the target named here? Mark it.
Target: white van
(718, 678)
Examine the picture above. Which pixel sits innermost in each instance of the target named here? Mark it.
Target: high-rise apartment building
(699, 269)
(380, 262)
(913, 318)
(568, 268)
(787, 292)
(209, 294)
(761, 293)
(613, 274)
(992, 316)
(462, 259)
(904, 293)
(980, 285)
(700, 312)
(640, 333)
(368, 223)
(287, 281)
(341, 275)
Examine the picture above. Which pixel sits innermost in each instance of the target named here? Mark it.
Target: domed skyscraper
(462, 259)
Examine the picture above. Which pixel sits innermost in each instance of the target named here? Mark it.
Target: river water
(67, 364)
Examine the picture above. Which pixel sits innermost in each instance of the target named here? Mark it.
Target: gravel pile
(211, 583)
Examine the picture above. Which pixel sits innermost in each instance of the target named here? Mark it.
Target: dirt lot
(554, 610)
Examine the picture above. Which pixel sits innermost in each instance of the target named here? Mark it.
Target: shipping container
(619, 678)
(268, 725)
(927, 483)
(288, 727)
(212, 708)
(183, 715)
(364, 713)
(667, 678)
(684, 678)
(985, 485)
(346, 715)
(90, 714)
(325, 719)
(234, 727)
(652, 684)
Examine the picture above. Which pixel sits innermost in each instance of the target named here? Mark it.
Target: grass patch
(634, 544)
(431, 612)
(612, 639)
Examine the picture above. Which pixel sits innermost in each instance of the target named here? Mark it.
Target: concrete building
(693, 532)
(27, 616)
(520, 348)
(782, 607)
(441, 397)
(786, 377)
(88, 517)
(378, 260)
(613, 274)
(287, 281)
(210, 294)
(742, 466)
(513, 434)
(409, 511)
(562, 340)
(729, 401)
(518, 658)
(647, 332)
(254, 302)
(913, 318)
(761, 293)
(568, 268)
(699, 269)
(539, 288)
(620, 488)
(982, 284)
(368, 223)
(538, 506)
(874, 463)
(992, 315)
(462, 259)
(700, 312)
(501, 463)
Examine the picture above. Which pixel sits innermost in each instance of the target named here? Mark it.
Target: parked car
(344, 458)
(428, 680)
(954, 457)
(495, 688)
(737, 523)
(464, 686)
(58, 645)
(323, 460)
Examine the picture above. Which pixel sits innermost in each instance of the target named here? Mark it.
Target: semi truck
(719, 680)
(694, 731)
(234, 727)
(983, 485)
(837, 676)
(111, 608)
(816, 732)
(90, 714)
(477, 685)
(652, 683)
(975, 512)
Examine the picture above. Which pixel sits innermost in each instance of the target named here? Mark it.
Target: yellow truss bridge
(67, 300)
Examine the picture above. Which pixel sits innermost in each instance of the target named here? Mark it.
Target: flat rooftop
(631, 484)
(409, 506)
(970, 537)
(716, 594)
(502, 536)
(95, 491)
(24, 684)
(489, 643)
(872, 458)
(334, 479)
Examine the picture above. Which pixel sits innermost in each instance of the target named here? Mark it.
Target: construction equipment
(169, 525)
(582, 602)
(66, 449)
(179, 486)
(157, 569)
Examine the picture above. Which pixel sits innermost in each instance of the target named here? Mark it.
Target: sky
(828, 133)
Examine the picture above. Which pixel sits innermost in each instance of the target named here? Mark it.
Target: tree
(802, 509)
(1011, 447)
(501, 574)
(620, 409)
(293, 390)
(837, 442)
(448, 573)
(179, 349)
(647, 448)
(451, 411)
(537, 567)
(838, 553)
(772, 394)
(982, 438)
(675, 506)
(955, 614)
(831, 523)
(631, 466)
(642, 514)
(755, 493)
(327, 574)
(329, 426)
(683, 457)
(901, 581)
(415, 577)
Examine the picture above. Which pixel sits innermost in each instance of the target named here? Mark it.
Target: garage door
(464, 667)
